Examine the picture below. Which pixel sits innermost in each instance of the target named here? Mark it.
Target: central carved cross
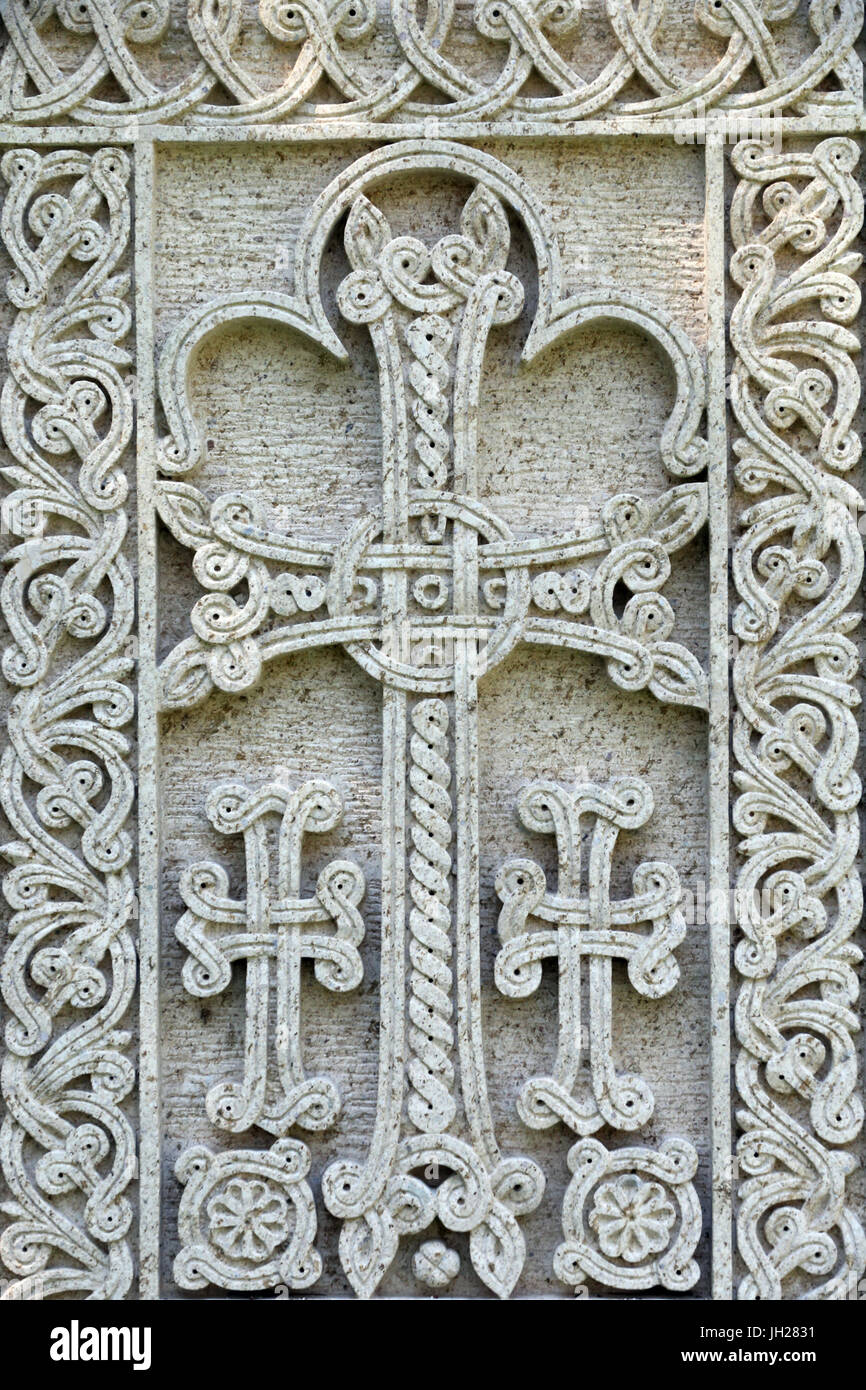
(427, 595)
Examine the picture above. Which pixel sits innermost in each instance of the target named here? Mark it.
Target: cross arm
(582, 923)
(531, 919)
(217, 929)
(215, 932)
(633, 543)
(284, 578)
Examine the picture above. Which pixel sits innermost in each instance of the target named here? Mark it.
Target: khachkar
(428, 599)
(427, 595)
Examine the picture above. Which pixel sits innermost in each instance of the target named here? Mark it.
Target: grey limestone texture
(430, 669)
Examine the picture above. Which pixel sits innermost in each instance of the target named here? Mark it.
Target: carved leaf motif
(368, 1245)
(485, 223)
(185, 675)
(367, 233)
(186, 513)
(679, 515)
(498, 1250)
(678, 677)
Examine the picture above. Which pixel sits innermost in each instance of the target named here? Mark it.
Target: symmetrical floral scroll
(341, 42)
(797, 569)
(65, 782)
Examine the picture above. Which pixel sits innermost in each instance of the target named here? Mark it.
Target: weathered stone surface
(369, 497)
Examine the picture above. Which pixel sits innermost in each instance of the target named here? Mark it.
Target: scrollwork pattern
(427, 593)
(797, 569)
(272, 930)
(66, 785)
(333, 40)
(247, 1218)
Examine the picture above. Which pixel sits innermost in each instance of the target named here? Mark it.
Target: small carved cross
(426, 594)
(570, 925)
(273, 929)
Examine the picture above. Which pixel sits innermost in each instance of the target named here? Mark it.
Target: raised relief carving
(631, 1217)
(337, 41)
(428, 594)
(247, 1219)
(272, 930)
(797, 569)
(66, 786)
(571, 927)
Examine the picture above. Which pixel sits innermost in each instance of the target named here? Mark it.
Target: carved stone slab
(432, 540)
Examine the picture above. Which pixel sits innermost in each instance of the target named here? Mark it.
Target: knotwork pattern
(59, 54)
(797, 569)
(428, 593)
(66, 787)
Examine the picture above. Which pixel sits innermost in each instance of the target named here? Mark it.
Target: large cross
(427, 595)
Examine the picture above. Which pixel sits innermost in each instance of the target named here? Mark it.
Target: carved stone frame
(79, 425)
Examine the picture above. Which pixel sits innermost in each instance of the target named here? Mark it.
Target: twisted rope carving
(431, 1036)
(429, 339)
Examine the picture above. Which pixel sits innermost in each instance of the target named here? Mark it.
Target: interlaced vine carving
(427, 592)
(65, 782)
(797, 568)
(336, 40)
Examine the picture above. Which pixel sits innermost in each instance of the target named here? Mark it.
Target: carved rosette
(66, 787)
(247, 1219)
(797, 569)
(579, 922)
(234, 1220)
(631, 1217)
(427, 594)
